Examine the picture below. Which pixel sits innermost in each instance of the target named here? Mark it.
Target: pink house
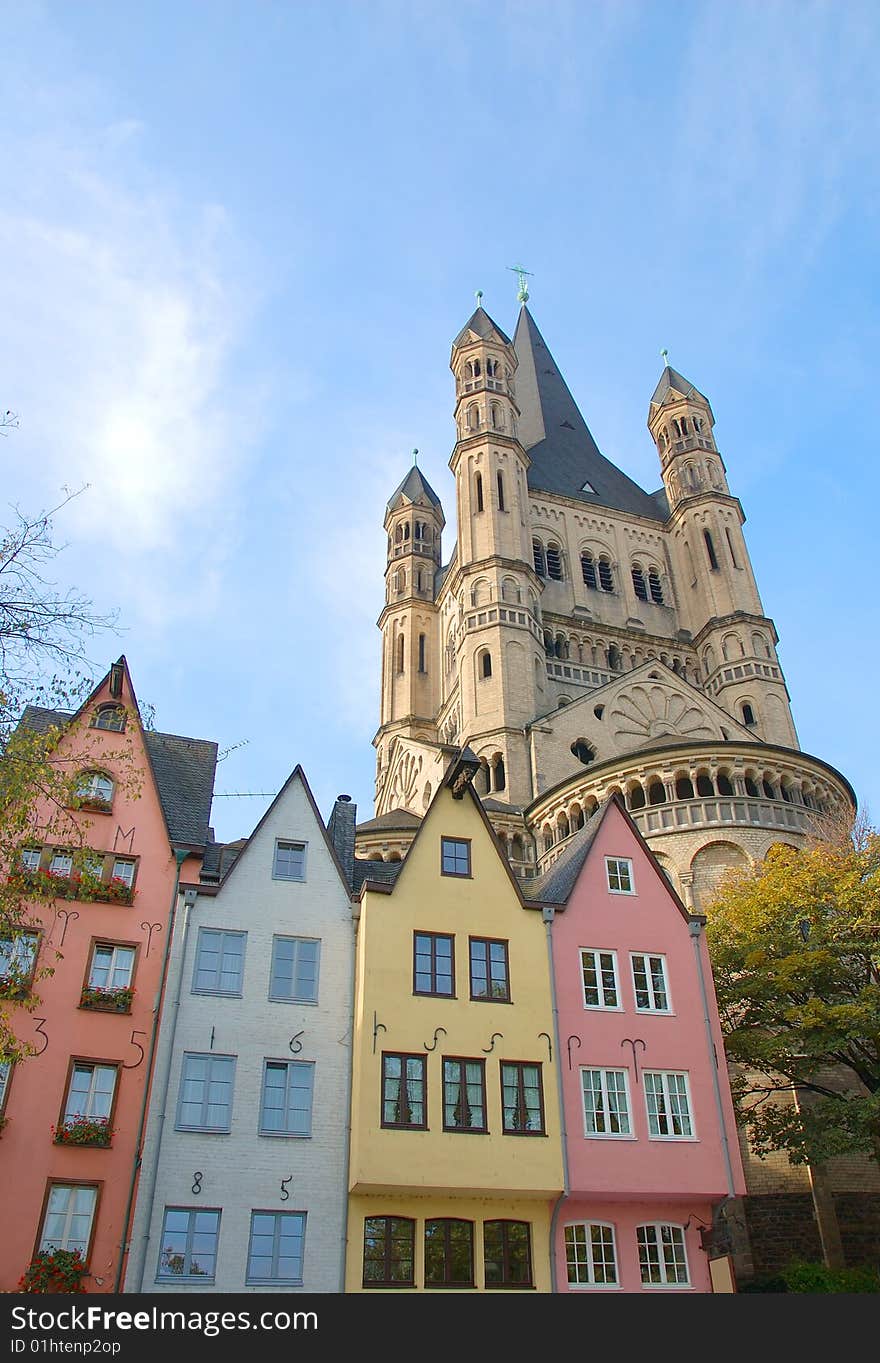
(650, 1138)
(74, 1110)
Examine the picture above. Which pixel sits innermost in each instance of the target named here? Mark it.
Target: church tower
(414, 522)
(494, 639)
(719, 602)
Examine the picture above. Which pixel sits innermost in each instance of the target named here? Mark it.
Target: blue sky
(238, 240)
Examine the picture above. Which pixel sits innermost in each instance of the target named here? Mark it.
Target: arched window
(614, 657)
(588, 570)
(606, 577)
(698, 424)
(500, 480)
(476, 369)
(548, 838)
(496, 416)
(676, 427)
(704, 784)
(554, 561)
(640, 587)
(684, 788)
(422, 667)
(406, 531)
(110, 717)
(655, 586)
(768, 787)
(582, 750)
(785, 791)
(499, 773)
(724, 784)
(684, 425)
(752, 787)
(731, 548)
(473, 417)
(540, 561)
(656, 793)
(636, 797)
(479, 482)
(748, 715)
(710, 550)
(400, 652)
(486, 664)
(94, 789)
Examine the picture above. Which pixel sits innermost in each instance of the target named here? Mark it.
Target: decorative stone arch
(635, 795)
(668, 869)
(709, 867)
(732, 647)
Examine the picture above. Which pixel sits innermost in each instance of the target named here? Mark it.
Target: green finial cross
(415, 459)
(664, 354)
(522, 273)
(479, 297)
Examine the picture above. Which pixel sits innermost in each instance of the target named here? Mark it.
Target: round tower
(720, 604)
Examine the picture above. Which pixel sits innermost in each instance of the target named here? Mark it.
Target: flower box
(54, 1270)
(77, 885)
(84, 1131)
(106, 1000)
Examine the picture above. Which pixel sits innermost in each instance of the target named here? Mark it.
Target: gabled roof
(671, 379)
(183, 769)
(377, 872)
(395, 818)
(414, 488)
(482, 325)
(565, 457)
(556, 884)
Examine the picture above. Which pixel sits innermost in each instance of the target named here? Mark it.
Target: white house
(243, 1184)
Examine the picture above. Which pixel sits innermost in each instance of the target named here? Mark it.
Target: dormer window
(110, 717)
(94, 790)
(588, 487)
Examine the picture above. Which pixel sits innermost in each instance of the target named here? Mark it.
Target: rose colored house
(650, 1137)
(74, 1111)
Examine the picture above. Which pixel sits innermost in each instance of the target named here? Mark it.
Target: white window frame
(597, 953)
(64, 866)
(11, 960)
(616, 863)
(210, 1056)
(664, 1285)
(664, 1076)
(651, 1007)
(604, 1071)
(275, 1278)
(92, 1094)
(286, 843)
(29, 858)
(590, 1285)
(5, 1077)
(63, 1241)
(294, 997)
(208, 989)
(127, 875)
(95, 785)
(114, 948)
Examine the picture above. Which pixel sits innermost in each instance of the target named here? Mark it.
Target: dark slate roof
(483, 325)
(219, 857)
(499, 806)
(395, 818)
(557, 883)
(386, 872)
(183, 768)
(563, 452)
(415, 487)
(670, 378)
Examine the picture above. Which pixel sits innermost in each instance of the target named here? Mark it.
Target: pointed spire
(414, 488)
(480, 324)
(671, 379)
(565, 457)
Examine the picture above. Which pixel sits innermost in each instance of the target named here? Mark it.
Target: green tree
(795, 946)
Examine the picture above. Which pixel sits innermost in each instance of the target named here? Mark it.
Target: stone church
(584, 636)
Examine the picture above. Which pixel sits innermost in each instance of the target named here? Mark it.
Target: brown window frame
(462, 1060)
(519, 1065)
(506, 1285)
(27, 981)
(97, 941)
(100, 709)
(96, 1183)
(447, 1222)
(489, 941)
(5, 1099)
(460, 875)
(89, 1060)
(405, 1126)
(434, 936)
(387, 1281)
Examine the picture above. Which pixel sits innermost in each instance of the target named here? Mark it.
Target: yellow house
(456, 1157)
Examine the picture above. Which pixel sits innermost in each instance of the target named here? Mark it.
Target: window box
(94, 803)
(81, 1130)
(54, 1271)
(106, 1000)
(76, 885)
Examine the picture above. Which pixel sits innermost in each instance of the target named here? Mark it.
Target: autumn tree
(795, 947)
(45, 631)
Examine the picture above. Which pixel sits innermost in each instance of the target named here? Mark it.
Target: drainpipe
(548, 915)
(356, 916)
(189, 899)
(695, 927)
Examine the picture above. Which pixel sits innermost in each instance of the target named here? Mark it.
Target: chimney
(341, 828)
